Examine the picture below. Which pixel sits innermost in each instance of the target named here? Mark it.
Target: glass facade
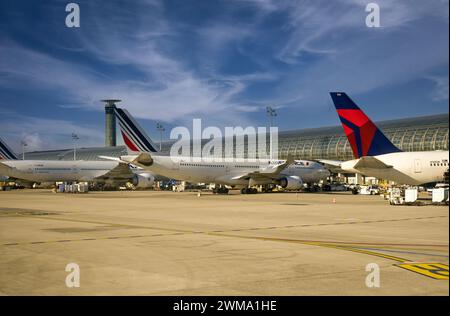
(414, 134)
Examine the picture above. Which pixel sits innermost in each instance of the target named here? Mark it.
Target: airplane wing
(267, 173)
(121, 172)
(369, 162)
(332, 165)
(143, 160)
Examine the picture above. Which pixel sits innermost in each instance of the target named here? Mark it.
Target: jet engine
(143, 180)
(291, 183)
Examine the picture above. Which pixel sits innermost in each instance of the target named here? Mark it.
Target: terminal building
(412, 134)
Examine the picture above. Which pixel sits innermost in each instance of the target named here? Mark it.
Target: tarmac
(167, 243)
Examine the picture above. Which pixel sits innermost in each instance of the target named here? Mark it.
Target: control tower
(110, 122)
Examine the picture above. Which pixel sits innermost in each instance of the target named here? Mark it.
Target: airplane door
(417, 166)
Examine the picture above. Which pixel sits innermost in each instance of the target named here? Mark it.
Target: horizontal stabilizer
(142, 160)
(110, 158)
(369, 162)
(120, 172)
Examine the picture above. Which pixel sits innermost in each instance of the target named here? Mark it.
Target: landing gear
(267, 188)
(249, 191)
(220, 190)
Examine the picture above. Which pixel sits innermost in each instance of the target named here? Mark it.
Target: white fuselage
(412, 168)
(55, 171)
(186, 169)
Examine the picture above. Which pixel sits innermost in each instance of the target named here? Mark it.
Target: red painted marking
(367, 132)
(357, 117)
(366, 129)
(128, 142)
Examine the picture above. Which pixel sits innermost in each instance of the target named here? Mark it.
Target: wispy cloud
(440, 91)
(40, 134)
(135, 39)
(330, 47)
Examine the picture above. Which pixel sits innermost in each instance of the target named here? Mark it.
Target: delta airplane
(290, 174)
(70, 171)
(376, 156)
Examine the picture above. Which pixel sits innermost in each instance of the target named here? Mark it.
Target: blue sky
(220, 60)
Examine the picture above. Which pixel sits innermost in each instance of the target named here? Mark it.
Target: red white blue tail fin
(365, 138)
(134, 136)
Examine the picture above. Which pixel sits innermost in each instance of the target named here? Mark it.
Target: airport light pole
(161, 129)
(75, 138)
(24, 144)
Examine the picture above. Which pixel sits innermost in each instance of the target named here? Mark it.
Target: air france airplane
(290, 174)
(69, 171)
(376, 156)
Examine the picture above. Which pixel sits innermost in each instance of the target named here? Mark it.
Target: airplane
(376, 156)
(142, 152)
(39, 171)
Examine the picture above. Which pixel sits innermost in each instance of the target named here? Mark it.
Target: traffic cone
(334, 200)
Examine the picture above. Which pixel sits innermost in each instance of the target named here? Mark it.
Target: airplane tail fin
(134, 136)
(5, 152)
(365, 138)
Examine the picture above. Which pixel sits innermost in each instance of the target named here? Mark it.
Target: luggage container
(411, 195)
(440, 195)
(83, 188)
